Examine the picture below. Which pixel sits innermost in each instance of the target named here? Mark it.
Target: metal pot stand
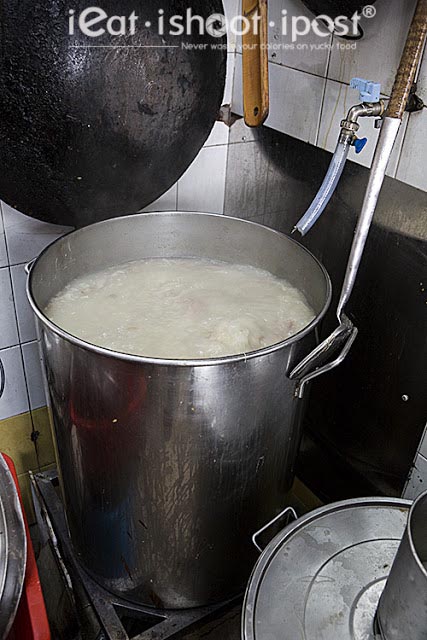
(119, 619)
(321, 577)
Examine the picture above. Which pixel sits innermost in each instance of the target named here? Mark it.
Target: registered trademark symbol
(369, 11)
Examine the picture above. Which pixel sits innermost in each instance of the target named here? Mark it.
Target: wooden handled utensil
(255, 63)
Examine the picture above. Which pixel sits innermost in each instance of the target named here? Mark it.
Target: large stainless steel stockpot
(402, 611)
(168, 466)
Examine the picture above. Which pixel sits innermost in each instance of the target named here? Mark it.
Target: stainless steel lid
(13, 549)
(322, 576)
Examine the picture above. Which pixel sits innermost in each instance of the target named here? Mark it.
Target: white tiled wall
(296, 58)
(309, 87)
(8, 324)
(15, 397)
(33, 372)
(303, 90)
(21, 240)
(412, 164)
(24, 314)
(26, 237)
(166, 202)
(202, 186)
(3, 252)
(377, 54)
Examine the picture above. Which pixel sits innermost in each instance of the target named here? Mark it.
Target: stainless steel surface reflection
(168, 467)
(402, 611)
(353, 444)
(13, 549)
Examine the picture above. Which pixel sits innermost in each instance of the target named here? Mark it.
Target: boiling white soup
(181, 308)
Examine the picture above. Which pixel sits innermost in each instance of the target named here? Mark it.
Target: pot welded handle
(2, 378)
(29, 266)
(288, 511)
(337, 346)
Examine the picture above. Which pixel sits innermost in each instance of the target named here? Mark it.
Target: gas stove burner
(119, 619)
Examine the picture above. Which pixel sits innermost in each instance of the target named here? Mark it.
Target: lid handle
(289, 511)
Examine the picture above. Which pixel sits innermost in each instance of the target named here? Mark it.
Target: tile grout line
(322, 104)
(226, 181)
(311, 73)
(17, 325)
(232, 86)
(6, 242)
(30, 409)
(177, 194)
(17, 344)
(400, 152)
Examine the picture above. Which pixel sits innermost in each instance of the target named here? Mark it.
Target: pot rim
(170, 361)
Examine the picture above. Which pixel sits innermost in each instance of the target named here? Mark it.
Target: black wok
(91, 132)
(334, 8)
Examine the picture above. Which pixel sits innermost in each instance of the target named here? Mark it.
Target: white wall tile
(338, 100)
(3, 252)
(26, 237)
(308, 53)
(8, 325)
(25, 315)
(33, 374)
(377, 55)
(14, 399)
(202, 186)
(218, 135)
(412, 167)
(237, 97)
(232, 8)
(295, 100)
(220, 131)
(229, 78)
(166, 202)
(417, 481)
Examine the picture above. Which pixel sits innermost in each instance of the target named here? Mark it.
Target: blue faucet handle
(368, 91)
(359, 143)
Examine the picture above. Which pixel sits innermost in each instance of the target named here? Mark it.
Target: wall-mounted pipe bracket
(415, 103)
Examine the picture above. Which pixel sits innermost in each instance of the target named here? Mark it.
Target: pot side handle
(291, 515)
(29, 266)
(337, 346)
(2, 378)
